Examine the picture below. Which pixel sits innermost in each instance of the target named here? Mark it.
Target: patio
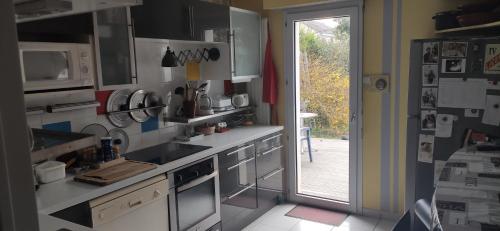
(328, 175)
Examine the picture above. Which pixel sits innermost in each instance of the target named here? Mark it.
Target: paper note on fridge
(444, 125)
(492, 111)
(459, 93)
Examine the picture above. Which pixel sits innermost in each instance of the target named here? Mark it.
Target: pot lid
(137, 101)
(118, 101)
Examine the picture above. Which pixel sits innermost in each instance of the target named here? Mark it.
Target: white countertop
(65, 193)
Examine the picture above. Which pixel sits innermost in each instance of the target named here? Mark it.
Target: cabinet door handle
(272, 174)
(239, 149)
(270, 138)
(133, 54)
(133, 204)
(272, 150)
(241, 191)
(233, 38)
(240, 163)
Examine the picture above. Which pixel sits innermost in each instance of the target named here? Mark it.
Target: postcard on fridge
(492, 112)
(492, 59)
(426, 148)
(429, 98)
(430, 77)
(460, 93)
(454, 49)
(453, 66)
(428, 120)
(431, 53)
(444, 125)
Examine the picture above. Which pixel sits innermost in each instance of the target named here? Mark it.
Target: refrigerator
(450, 84)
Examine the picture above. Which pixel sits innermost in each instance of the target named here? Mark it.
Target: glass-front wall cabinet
(245, 44)
(114, 42)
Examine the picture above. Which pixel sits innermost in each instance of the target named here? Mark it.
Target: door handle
(353, 117)
(241, 163)
(239, 149)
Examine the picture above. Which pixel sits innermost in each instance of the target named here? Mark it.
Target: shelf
(202, 118)
(466, 28)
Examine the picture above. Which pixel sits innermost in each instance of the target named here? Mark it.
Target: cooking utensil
(136, 100)
(95, 129)
(152, 100)
(118, 101)
(115, 173)
(119, 134)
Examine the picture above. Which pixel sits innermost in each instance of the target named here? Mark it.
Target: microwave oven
(51, 66)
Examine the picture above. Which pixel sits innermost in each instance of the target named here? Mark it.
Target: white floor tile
(357, 223)
(278, 220)
(303, 225)
(264, 227)
(385, 225)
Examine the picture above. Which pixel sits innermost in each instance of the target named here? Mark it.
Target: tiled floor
(275, 220)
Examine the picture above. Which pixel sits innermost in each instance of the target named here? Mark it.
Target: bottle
(106, 149)
(116, 148)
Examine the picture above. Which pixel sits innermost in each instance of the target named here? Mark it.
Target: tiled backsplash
(152, 77)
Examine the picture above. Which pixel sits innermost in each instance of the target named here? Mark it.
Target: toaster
(240, 100)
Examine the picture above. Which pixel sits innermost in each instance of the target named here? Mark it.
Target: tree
(324, 76)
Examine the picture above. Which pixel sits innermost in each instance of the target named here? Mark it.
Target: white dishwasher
(143, 206)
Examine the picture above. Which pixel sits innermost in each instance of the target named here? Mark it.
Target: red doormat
(318, 215)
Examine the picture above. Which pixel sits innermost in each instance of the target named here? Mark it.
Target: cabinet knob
(85, 70)
(157, 193)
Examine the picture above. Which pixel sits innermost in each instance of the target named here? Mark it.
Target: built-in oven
(195, 196)
(47, 66)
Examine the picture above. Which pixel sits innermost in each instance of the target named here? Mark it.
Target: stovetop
(165, 153)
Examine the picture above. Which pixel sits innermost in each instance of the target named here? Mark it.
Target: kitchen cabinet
(181, 20)
(115, 49)
(251, 181)
(245, 42)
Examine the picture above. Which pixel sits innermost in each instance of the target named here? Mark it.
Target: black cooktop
(164, 153)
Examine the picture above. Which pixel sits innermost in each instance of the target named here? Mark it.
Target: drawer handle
(240, 163)
(241, 191)
(272, 174)
(239, 149)
(270, 138)
(133, 204)
(272, 150)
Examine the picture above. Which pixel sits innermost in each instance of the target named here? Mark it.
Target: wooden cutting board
(115, 173)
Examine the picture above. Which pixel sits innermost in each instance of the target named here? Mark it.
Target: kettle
(205, 105)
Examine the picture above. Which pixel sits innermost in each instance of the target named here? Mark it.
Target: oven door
(195, 206)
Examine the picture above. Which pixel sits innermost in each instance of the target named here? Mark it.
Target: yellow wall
(416, 22)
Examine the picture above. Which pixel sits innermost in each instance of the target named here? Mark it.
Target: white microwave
(49, 66)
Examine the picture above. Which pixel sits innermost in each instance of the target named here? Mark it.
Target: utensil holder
(189, 109)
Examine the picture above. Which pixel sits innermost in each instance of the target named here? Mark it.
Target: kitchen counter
(65, 193)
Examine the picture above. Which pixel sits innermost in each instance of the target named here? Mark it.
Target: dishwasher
(142, 206)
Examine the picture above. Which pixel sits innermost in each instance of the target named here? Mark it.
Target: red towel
(270, 82)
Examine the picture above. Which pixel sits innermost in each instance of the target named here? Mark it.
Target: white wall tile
(34, 121)
(150, 139)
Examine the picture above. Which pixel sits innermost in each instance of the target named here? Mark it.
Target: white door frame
(348, 8)
(17, 204)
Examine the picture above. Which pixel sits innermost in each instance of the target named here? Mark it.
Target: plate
(95, 129)
(152, 100)
(137, 101)
(119, 134)
(118, 101)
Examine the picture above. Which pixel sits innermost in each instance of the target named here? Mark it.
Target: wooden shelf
(202, 118)
(467, 28)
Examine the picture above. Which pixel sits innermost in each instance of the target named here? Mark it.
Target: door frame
(355, 10)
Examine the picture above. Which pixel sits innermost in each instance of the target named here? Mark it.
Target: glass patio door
(322, 63)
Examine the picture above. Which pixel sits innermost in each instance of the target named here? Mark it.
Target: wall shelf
(203, 118)
(468, 28)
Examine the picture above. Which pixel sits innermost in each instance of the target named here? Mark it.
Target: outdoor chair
(307, 137)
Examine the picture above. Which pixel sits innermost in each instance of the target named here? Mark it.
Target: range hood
(31, 10)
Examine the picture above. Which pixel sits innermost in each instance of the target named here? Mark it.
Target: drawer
(269, 161)
(268, 143)
(272, 181)
(114, 208)
(237, 177)
(235, 155)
